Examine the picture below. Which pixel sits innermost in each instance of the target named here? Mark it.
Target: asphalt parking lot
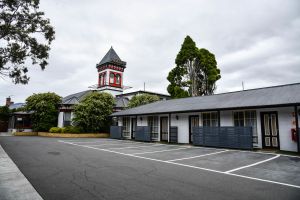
(116, 169)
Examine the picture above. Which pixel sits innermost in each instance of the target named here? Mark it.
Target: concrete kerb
(13, 184)
(63, 135)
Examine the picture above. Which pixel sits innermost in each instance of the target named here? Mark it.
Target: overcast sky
(255, 41)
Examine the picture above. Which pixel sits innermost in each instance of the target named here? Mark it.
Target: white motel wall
(286, 121)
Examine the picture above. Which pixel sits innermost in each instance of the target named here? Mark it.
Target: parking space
(265, 167)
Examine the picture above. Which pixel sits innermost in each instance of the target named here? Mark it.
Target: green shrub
(55, 130)
(71, 129)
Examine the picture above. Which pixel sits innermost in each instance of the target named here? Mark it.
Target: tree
(195, 73)
(45, 110)
(4, 113)
(92, 113)
(142, 99)
(24, 34)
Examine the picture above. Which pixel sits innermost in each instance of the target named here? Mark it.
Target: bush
(55, 130)
(71, 129)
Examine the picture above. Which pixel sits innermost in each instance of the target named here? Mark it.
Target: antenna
(243, 85)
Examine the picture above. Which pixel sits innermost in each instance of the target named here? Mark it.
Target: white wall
(183, 125)
(226, 118)
(60, 119)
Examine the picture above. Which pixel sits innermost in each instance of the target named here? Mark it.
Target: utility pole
(144, 86)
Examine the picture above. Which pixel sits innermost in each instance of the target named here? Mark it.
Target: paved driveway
(116, 169)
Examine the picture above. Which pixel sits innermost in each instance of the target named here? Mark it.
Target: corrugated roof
(16, 105)
(75, 98)
(112, 57)
(269, 96)
(121, 102)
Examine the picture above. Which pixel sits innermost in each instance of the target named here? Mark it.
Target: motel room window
(153, 124)
(246, 118)
(126, 127)
(111, 78)
(210, 119)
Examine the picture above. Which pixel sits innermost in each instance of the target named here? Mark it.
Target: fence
(116, 132)
(142, 133)
(173, 138)
(228, 137)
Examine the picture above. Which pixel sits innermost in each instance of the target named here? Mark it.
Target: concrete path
(6, 134)
(13, 184)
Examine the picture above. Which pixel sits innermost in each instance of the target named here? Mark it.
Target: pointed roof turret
(112, 57)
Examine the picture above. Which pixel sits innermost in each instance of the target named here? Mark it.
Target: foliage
(71, 129)
(55, 130)
(24, 34)
(92, 113)
(195, 73)
(4, 113)
(142, 99)
(45, 110)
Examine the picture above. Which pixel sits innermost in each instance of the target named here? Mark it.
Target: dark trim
(215, 109)
(141, 91)
(297, 127)
(219, 118)
(131, 131)
(263, 132)
(190, 131)
(169, 127)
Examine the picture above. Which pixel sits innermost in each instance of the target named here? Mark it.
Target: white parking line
(109, 144)
(190, 166)
(147, 152)
(208, 154)
(133, 147)
(257, 163)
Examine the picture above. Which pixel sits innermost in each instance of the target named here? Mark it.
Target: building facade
(271, 114)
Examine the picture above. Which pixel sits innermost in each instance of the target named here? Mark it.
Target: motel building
(264, 118)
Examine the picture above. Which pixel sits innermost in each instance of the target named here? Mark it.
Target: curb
(13, 184)
(63, 135)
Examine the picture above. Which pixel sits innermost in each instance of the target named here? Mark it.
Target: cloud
(254, 41)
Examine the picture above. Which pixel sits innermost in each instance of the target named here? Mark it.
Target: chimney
(8, 101)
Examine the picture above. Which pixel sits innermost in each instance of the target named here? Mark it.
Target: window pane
(118, 79)
(111, 78)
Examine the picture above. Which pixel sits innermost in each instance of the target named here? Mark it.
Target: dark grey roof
(121, 102)
(75, 98)
(262, 97)
(112, 57)
(16, 105)
(144, 92)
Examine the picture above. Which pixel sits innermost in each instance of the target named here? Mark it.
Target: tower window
(118, 79)
(111, 78)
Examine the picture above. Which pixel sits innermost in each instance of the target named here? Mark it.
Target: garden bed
(74, 135)
(25, 134)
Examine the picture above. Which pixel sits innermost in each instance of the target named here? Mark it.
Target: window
(246, 118)
(67, 119)
(153, 124)
(118, 79)
(210, 119)
(126, 127)
(111, 78)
